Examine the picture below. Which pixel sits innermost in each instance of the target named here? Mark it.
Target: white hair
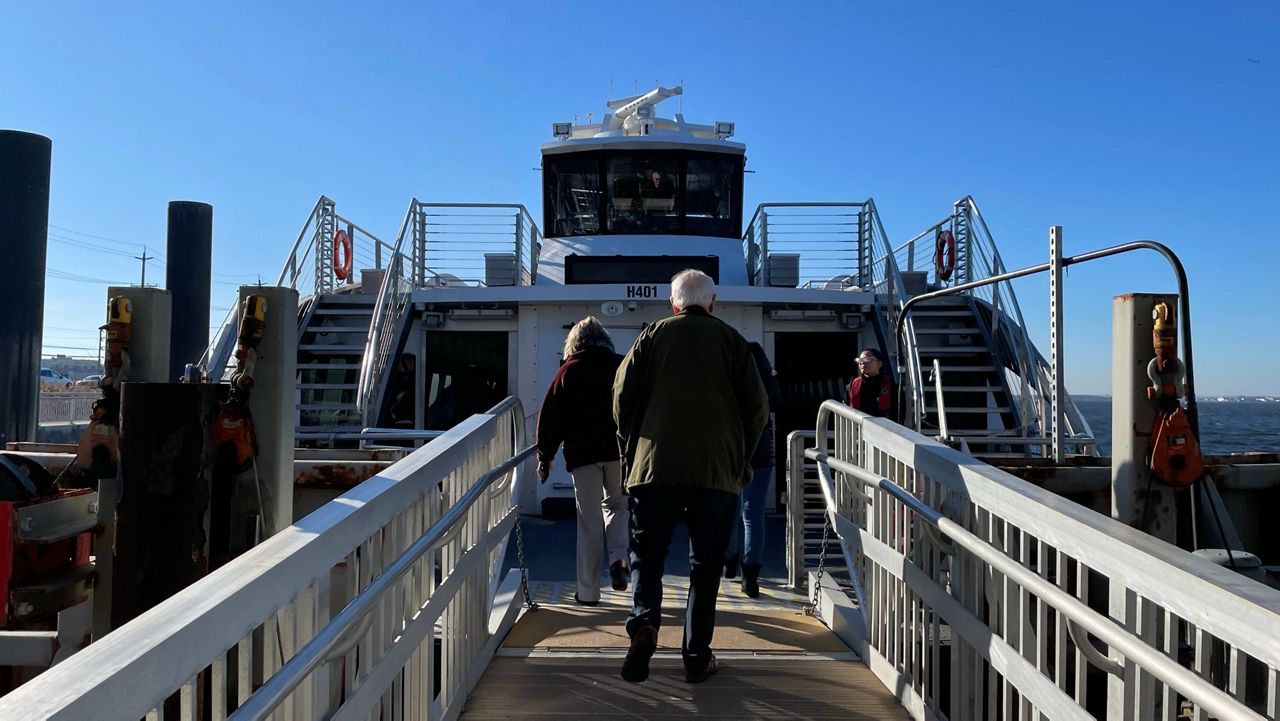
(692, 287)
(586, 333)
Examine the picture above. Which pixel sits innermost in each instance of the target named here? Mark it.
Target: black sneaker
(698, 675)
(731, 566)
(751, 580)
(618, 573)
(635, 667)
(581, 602)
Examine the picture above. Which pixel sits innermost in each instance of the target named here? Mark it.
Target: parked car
(89, 381)
(54, 378)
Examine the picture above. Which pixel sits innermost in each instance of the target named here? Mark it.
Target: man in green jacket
(689, 406)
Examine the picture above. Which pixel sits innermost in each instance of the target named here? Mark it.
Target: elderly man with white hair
(689, 406)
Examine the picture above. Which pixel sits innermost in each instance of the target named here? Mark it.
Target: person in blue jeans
(746, 542)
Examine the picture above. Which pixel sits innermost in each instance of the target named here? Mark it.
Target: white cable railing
(976, 594)
(826, 237)
(386, 603)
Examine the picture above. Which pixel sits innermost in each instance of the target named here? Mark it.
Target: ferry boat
(913, 578)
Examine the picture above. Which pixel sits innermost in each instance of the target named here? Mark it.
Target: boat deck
(563, 660)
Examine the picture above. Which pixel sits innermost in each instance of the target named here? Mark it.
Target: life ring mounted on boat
(342, 255)
(944, 254)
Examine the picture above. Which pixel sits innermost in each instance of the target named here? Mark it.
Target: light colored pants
(602, 518)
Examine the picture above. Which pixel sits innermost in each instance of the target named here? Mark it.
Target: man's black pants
(709, 515)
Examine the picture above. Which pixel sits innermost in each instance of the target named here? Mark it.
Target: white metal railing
(827, 237)
(962, 567)
(308, 269)
(387, 602)
(454, 239)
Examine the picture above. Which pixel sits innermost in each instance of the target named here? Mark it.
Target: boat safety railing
(979, 595)
(490, 244)
(387, 602)
(811, 245)
(309, 269)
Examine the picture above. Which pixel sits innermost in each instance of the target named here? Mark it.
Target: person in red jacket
(577, 410)
(872, 389)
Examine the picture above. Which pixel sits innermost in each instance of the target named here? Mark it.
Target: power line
(64, 275)
(88, 246)
(99, 237)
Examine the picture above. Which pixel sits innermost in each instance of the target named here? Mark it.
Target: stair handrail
(944, 432)
(904, 347)
(387, 310)
(1023, 350)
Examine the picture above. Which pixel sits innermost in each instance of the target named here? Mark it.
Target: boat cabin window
(642, 194)
(670, 192)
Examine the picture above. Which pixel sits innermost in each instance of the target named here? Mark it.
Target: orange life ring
(944, 254)
(342, 250)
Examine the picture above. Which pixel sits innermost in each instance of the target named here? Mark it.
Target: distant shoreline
(1201, 398)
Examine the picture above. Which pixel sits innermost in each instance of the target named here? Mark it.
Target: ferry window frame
(682, 156)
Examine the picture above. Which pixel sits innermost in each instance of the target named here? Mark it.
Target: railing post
(764, 247)
(323, 239)
(419, 244)
(864, 258)
(795, 509)
(1055, 341)
(351, 235)
(519, 276)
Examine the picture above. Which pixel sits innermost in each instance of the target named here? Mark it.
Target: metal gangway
(969, 594)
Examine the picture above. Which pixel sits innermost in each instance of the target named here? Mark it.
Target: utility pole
(144, 258)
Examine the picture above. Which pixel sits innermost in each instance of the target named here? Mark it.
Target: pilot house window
(642, 195)
(663, 192)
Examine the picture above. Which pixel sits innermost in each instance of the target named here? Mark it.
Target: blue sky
(1117, 121)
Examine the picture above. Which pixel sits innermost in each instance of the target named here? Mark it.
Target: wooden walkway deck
(563, 661)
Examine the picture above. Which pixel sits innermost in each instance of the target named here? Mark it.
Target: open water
(1225, 427)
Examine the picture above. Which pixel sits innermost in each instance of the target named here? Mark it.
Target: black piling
(166, 456)
(24, 230)
(188, 265)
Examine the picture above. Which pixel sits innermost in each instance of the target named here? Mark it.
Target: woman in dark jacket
(578, 411)
(752, 501)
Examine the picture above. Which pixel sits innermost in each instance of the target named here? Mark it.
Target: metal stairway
(331, 343)
(976, 400)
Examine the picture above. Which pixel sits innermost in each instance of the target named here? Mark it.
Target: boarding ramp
(976, 595)
(969, 594)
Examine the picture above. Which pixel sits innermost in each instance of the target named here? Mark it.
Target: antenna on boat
(682, 97)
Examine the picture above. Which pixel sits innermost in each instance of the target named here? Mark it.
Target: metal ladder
(976, 398)
(331, 343)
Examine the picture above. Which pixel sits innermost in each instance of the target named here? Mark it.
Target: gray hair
(692, 287)
(586, 333)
